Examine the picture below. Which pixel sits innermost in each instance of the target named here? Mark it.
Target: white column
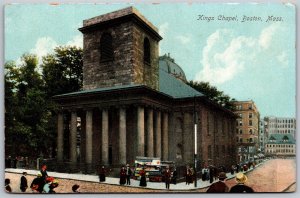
(165, 136)
(158, 135)
(104, 145)
(150, 151)
(140, 131)
(89, 136)
(73, 134)
(122, 135)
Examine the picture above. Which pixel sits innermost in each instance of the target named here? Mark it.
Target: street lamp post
(195, 135)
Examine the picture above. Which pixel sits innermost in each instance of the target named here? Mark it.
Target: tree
(213, 94)
(26, 105)
(29, 121)
(62, 71)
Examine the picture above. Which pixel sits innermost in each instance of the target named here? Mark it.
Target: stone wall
(127, 66)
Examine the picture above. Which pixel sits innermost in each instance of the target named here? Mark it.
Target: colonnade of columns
(156, 132)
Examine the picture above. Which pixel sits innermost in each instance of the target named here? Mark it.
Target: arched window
(147, 51)
(106, 49)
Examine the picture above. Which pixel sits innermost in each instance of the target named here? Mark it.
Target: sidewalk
(115, 181)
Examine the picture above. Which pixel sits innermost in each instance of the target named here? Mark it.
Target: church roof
(174, 87)
(168, 64)
(281, 139)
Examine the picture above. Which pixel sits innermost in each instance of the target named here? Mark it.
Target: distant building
(135, 103)
(247, 130)
(261, 135)
(280, 145)
(280, 125)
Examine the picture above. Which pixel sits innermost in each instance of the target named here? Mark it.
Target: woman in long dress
(122, 176)
(143, 178)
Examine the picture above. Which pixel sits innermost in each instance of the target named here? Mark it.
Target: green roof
(174, 87)
(104, 89)
(281, 139)
(168, 85)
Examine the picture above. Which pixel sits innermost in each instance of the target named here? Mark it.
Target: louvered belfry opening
(106, 48)
(147, 57)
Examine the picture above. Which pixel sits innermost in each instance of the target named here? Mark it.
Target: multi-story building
(247, 126)
(280, 145)
(261, 135)
(280, 125)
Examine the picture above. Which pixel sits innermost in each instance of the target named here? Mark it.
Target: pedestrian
(237, 168)
(167, 175)
(53, 185)
(204, 174)
(240, 187)
(46, 188)
(232, 169)
(23, 183)
(102, 173)
(37, 184)
(174, 177)
(219, 186)
(128, 174)
(142, 173)
(44, 172)
(7, 186)
(122, 176)
(75, 188)
(188, 175)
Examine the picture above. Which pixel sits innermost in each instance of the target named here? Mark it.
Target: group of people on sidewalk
(41, 184)
(221, 187)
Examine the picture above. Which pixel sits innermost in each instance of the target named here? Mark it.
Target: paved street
(275, 175)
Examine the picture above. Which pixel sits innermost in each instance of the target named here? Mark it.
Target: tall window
(106, 48)
(147, 51)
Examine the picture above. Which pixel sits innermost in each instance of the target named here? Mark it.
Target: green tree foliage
(30, 127)
(213, 94)
(25, 105)
(62, 71)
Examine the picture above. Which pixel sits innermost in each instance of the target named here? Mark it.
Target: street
(275, 175)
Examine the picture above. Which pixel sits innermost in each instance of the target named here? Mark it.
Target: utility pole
(195, 135)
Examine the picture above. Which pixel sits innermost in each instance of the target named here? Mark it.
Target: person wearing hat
(219, 186)
(7, 186)
(122, 175)
(128, 174)
(37, 184)
(75, 188)
(167, 175)
(23, 183)
(240, 187)
(102, 173)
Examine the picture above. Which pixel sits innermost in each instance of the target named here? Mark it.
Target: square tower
(120, 48)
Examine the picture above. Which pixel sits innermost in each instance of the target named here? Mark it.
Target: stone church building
(135, 103)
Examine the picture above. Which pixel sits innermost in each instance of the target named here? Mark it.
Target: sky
(250, 59)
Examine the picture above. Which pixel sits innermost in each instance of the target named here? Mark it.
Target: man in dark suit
(23, 184)
(219, 186)
(240, 187)
(167, 175)
(128, 174)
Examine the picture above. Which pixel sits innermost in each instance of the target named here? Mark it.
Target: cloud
(44, 46)
(226, 54)
(265, 38)
(76, 41)
(163, 29)
(283, 59)
(222, 58)
(183, 39)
